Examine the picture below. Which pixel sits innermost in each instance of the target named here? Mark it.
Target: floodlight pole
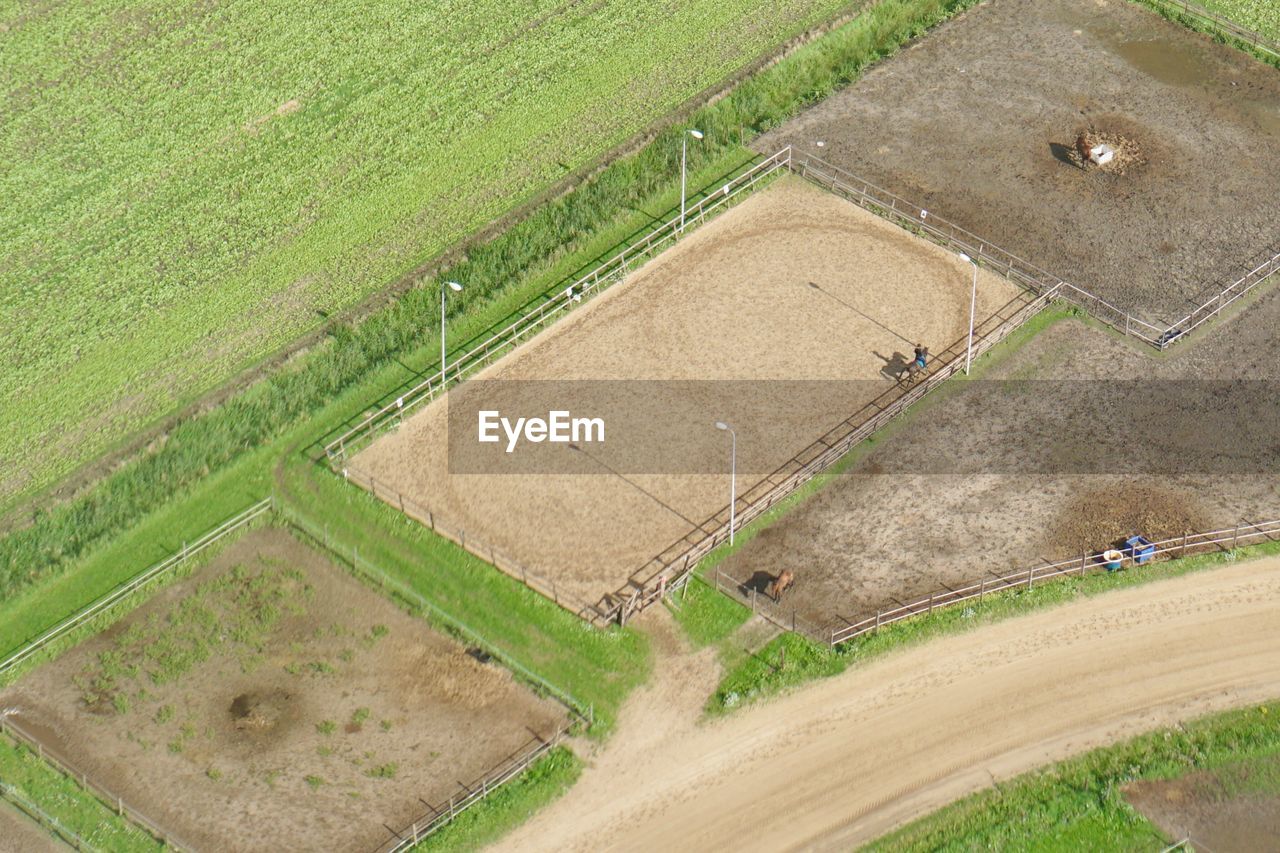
(684, 167)
(973, 307)
(444, 289)
(733, 472)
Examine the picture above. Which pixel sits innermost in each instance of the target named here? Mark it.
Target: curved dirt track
(847, 759)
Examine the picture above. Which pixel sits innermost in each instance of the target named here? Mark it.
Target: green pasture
(188, 188)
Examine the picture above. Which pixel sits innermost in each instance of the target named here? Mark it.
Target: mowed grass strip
(1261, 16)
(597, 668)
(1080, 805)
(65, 801)
(190, 188)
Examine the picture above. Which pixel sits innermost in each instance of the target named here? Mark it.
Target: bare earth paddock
(976, 122)
(320, 713)
(983, 481)
(791, 284)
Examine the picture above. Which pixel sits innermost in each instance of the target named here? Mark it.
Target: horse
(779, 585)
(918, 368)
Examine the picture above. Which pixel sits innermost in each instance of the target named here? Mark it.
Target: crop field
(188, 187)
(1260, 16)
(272, 700)
(1005, 472)
(978, 121)
(792, 284)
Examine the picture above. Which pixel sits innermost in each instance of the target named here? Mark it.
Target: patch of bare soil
(1209, 808)
(996, 476)
(1103, 517)
(271, 701)
(977, 121)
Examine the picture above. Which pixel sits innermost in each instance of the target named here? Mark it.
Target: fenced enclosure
(918, 220)
(673, 567)
(1189, 544)
(610, 272)
(134, 584)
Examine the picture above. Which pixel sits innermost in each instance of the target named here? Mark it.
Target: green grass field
(189, 188)
(1079, 804)
(1261, 16)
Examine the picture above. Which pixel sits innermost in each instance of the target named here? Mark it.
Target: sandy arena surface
(732, 301)
(975, 122)
(982, 480)
(250, 728)
(847, 759)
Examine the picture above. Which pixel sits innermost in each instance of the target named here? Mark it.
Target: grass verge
(510, 805)
(1079, 804)
(63, 800)
(468, 597)
(760, 675)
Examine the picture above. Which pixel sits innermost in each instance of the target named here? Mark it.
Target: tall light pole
(684, 166)
(733, 473)
(973, 307)
(444, 289)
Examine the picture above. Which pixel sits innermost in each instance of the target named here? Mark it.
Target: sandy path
(849, 758)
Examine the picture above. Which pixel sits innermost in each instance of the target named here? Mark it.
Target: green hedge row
(206, 442)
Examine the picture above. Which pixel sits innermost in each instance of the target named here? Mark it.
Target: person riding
(922, 357)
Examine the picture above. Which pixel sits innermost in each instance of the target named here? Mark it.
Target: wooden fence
(922, 222)
(473, 544)
(613, 270)
(438, 815)
(675, 565)
(108, 798)
(1217, 23)
(55, 827)
(134, 584)
(1228, 539)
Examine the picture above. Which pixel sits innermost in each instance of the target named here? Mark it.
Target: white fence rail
(128, 588)
(504, 340)
(1227, 539)
(441, 814)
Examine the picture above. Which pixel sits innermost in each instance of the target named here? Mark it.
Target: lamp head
(695, 133)
(966, 258)
(454, 286)
(721, 425)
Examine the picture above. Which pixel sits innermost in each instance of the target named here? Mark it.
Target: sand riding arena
(792, 284)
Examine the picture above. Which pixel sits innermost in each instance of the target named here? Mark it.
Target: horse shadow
(1065, 154)
(758, 583)
(895, 366)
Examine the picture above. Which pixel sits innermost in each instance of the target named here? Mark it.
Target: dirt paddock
(318, 714)
(792, 284)
(977, 122)
(995, 476)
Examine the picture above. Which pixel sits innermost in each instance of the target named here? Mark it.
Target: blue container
(1140, 549)
(1112, 559)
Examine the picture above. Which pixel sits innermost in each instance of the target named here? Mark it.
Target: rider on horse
(922, 357)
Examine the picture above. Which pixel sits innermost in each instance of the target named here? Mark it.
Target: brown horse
(779, 585)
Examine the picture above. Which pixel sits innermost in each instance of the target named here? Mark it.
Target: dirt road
(847, 759)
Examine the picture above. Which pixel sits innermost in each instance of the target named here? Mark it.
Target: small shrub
(326, 727)
(384, 771)
(315, 782)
